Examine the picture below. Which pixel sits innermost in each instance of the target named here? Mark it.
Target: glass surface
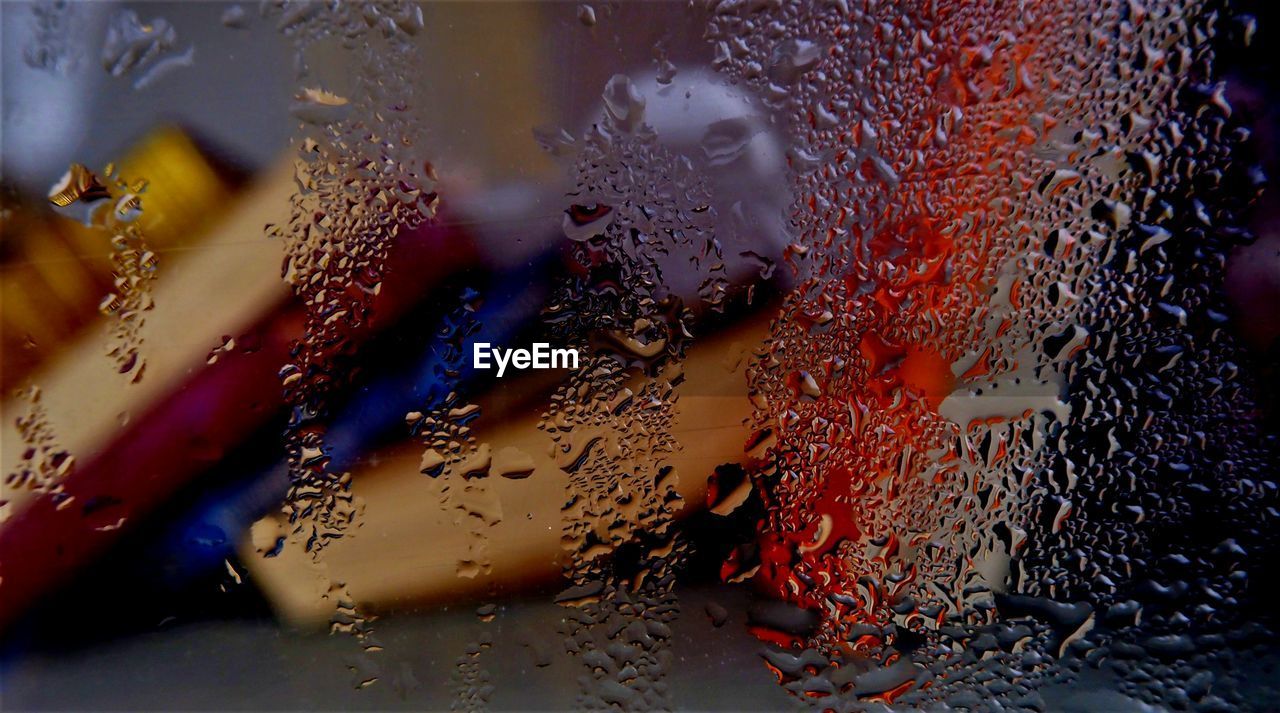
(737, 355)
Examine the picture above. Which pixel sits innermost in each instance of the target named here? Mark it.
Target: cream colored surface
(406, 551)
(218, 287)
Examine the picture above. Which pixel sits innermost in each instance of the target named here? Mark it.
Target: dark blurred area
(1253, 272)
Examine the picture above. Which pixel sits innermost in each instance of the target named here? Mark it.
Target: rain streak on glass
(49, 46)
(44, 462)
(361, 181)
(1002, 382)
(114, 208)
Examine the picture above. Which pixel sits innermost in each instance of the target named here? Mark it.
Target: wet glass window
(703, 355)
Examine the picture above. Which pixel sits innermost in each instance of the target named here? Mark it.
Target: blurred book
(409, 551)
(54, 271)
